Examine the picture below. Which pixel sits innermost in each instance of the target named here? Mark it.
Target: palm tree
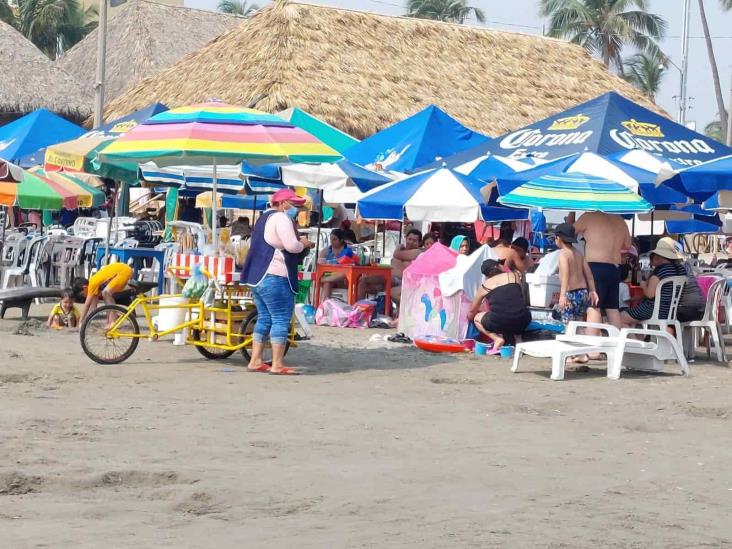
(726, 5)
(453, 11)
(55, 25)
(645, 72)
(714, 130)
(237, 7)
(7, 15)
(604, 27)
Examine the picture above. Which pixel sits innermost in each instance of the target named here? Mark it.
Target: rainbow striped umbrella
(216, 132)
(574, 191)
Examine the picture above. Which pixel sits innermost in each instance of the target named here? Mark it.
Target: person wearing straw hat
(270, 270)
(667, 261)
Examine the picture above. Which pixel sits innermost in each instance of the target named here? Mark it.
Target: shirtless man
(606, 236)
(511, 258)
(400, 261)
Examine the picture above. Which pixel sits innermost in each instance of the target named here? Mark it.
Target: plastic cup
(506, 351)
(480, 348)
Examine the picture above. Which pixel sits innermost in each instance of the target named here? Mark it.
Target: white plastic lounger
(627, 351)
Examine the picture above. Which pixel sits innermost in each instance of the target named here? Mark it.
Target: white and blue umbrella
(439, 195)
(701, 181)
(491, 166)
(195, 178)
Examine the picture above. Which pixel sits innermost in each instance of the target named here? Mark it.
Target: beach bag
(333, 312)
(339, 314)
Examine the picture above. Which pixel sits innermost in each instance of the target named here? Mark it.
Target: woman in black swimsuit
(507, 314)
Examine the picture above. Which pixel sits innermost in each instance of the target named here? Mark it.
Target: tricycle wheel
(211, 353)
(98, 345)
(246, 330)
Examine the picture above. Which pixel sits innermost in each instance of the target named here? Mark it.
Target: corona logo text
(568, 123)
(642, 129)
(535, 138)
(680, 146)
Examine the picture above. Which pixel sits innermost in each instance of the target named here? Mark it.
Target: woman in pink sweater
(271, 271)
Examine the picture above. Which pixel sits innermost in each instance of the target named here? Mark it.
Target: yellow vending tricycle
(218, 324)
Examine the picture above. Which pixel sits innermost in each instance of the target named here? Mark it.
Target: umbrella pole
(320, 220)
(109, 223)
(5, 220)
(651, 223)
(632, 230)
(214, 213)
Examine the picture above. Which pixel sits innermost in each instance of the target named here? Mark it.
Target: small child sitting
(64, 314)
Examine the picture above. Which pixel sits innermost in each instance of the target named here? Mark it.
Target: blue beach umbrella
(439, 195)
(413, 143)
(35, 131)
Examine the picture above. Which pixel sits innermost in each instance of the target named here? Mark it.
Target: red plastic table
(353, 274)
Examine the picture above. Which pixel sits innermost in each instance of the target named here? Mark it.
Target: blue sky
(522, 16)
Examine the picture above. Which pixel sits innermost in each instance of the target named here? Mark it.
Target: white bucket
(170, 318)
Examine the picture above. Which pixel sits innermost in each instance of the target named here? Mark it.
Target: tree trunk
(715, 71)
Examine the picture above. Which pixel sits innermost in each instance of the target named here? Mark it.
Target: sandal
(285, 371)
(261, 369)
(399, 338)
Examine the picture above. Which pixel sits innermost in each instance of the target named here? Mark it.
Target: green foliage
(237, 7)
(453, 11)
(54, 26)
(645, 72)
(605, 27)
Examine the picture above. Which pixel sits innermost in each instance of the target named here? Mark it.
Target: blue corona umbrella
(703, 180)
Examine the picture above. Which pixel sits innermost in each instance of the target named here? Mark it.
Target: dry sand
(382, 446)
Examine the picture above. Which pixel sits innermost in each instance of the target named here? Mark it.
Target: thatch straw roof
(144, 38)
(361, 71)
(29, 80)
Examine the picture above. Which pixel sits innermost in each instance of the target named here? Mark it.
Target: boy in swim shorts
(107, 281)
(577, 292)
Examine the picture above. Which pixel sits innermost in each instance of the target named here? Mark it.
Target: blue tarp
(605, 125)
(414, 142)
(34, 131)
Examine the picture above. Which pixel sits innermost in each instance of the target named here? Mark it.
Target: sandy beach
(378, 445)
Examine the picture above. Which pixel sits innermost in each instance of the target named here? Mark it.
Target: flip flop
(493, 352)
(285, 371)
(261, 369)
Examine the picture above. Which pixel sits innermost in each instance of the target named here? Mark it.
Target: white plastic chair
(677, 289)
(27, 266)
(625, 351)
(709, 324)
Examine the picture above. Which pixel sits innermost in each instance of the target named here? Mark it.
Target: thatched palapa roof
(29, 80)
(144, 38)
(361, 72)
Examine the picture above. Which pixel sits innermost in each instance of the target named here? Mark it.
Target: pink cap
(287, 195)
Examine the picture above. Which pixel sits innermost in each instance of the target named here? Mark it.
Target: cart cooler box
(543, 289)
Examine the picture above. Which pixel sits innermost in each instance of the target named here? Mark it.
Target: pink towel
(705, 282)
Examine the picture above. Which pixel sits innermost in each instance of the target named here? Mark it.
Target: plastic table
(137, 255)
(353, 274)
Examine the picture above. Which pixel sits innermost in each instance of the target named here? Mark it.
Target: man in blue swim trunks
(577, 291)
(606, 236)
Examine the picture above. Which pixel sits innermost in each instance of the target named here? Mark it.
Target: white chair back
(677, 288)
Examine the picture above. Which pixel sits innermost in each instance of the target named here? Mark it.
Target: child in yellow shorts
(107, 281)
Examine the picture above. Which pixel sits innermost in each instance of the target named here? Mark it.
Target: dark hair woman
(507, 314)
(270, 270)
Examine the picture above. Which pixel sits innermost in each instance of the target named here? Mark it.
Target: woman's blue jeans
(275, 304)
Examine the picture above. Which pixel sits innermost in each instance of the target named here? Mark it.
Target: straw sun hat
(666, 247)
